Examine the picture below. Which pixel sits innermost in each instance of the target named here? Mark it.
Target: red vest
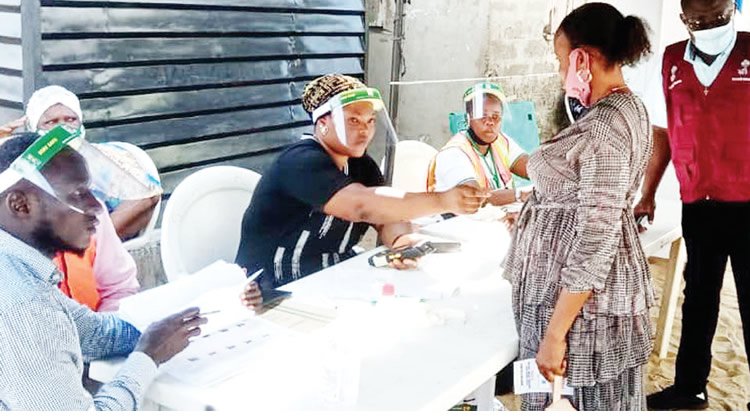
(709, 129)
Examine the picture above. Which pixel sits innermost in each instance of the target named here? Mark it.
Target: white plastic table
(421, 367)
(666, 232)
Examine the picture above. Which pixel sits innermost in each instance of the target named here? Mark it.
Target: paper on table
(491, 234)
(227, 341)
(430, 281)
(223, 307)
(527, 379)
(220, 279)
(220, 354)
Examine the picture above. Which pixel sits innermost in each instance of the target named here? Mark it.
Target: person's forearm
(132, 216)
(502, 197)
(126, 391)
(388, 234)
(566, 311)
(385, 205)
(519, 166)
(102, 334)
(658, 163)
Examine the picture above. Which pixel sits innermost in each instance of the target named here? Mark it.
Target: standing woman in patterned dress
(581, 284)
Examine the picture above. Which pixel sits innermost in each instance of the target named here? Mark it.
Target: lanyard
(491, 168)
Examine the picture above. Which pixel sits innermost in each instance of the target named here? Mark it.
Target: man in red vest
(706, 133)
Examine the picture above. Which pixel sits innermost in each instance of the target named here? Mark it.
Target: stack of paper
(216, 287)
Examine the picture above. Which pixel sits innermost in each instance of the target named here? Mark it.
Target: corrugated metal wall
(11, 61)
(198, 83)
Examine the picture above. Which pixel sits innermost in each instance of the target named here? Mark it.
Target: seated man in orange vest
(481, 155)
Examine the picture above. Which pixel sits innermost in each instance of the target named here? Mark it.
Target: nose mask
(715, 41)
(82, 129)
(578, 81)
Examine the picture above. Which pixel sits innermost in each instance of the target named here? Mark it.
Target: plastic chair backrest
(203, 217)
(410, 166)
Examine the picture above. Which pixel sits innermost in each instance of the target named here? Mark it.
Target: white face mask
(42, 132)
(715, 41)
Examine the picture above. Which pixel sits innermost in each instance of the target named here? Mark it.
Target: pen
(201, 314)
(209, 312)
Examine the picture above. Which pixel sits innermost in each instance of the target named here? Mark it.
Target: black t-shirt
(284, 230)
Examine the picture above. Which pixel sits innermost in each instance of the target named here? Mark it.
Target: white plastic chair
(410, 165)
(203, 218)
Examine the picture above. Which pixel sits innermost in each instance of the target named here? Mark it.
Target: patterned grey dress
(577, 232)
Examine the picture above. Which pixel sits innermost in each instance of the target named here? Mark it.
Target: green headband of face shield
(485, 88)
(106, 176)
(31, 162)
(347, 98)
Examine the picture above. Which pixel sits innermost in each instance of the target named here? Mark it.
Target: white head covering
(47, 97)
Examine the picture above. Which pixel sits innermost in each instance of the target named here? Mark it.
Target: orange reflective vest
(78, 276)
(500, 150)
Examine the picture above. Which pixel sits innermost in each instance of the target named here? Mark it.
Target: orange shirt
(78, 276)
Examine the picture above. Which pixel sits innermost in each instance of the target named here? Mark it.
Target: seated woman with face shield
(104, 273)
(54, 105)
(482, 155)
(323, 193)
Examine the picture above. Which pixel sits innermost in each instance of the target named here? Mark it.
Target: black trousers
(714, 232)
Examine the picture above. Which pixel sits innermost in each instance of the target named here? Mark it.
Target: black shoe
(672, 398)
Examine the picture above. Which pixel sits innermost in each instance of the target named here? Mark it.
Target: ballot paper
(216, 287)
(527, 379)
(232, 335)
(216, 356)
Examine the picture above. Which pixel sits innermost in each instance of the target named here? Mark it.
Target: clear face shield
(112, 162)
(362, 124)
(486, 107)
(36, 165)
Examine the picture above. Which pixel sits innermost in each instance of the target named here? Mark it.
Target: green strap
(492, 168)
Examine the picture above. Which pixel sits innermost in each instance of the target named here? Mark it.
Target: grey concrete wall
(444, 39)
(457, 39)
(379, 16)
(517, 47)
(454, 39)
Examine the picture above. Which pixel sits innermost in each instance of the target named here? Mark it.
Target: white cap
(46, 97)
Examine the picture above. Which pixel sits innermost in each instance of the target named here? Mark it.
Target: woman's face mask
(578, 78)
(715, 41)
(73, 127)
